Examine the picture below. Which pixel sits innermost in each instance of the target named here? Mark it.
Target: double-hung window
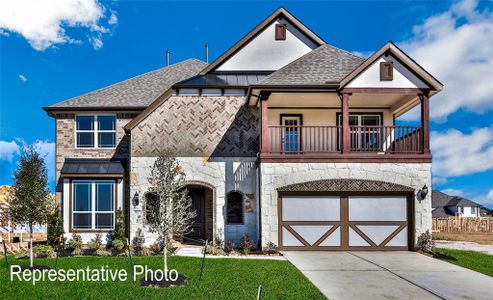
(95, 131)
(93, 204)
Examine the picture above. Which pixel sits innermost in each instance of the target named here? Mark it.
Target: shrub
(96, 243)
(247, 245)
(425, 242)
(156, 248)
(118, 245)
(229, 246)
(119, 232)
(213, 250)
(271, 248)
(43, 251)
(55, 229)
(75, 244)
(138, 242)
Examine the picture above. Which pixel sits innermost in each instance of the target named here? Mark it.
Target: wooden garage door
(343, 223)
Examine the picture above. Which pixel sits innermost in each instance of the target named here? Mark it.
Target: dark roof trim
(345, 185)
(390, 47)
(76, 167)
(255, 31)
(88, 108)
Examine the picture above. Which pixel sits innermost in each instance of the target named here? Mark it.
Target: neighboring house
(448, 206)
(283, 137)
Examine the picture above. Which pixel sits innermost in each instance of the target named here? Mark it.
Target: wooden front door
(198, 204)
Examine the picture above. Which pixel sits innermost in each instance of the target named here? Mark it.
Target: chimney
(167, 57)
(206, 53)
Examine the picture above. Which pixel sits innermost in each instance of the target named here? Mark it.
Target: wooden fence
(458, 224)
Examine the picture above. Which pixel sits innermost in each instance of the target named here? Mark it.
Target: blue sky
(72, 49)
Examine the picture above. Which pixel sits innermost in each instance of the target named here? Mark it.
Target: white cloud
(439, 180)
(22, 78)
(453, 192)
(456, 46)
(43, 23)
(8, 150)
(456, 153)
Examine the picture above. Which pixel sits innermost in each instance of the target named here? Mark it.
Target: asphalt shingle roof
(138, 91)
(324, 64)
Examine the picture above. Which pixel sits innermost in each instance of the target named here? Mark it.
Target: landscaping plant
(43, 251)
(171, 213)
(30, 201)
(55, 229)
(138, 242)
(247, 245)
(75, 244)
(425, 242)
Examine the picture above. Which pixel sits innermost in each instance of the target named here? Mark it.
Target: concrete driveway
(389, 275)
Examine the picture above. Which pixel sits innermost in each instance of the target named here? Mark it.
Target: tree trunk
(165, 253)
(31, 245)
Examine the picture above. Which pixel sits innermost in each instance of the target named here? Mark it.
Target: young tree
(30, 202)
(171, 211)
(55, 228)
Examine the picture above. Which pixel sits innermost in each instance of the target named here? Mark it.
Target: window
(386, 71)
(473, 210)
(95, 131)
(151, 201)
(280, 32)
(234, 208)
(93, 204)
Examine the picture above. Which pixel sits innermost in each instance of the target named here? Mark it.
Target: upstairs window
(280, 32)
(95, 131)
(234, 207)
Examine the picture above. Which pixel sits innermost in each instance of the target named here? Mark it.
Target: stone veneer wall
(275, 175)
(224, 174)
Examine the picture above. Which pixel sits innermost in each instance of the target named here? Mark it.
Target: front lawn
(476, 261)
(222, 279)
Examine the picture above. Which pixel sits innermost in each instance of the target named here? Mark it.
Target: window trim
(93, 211)
(360, 114)
(242, 208)
(95, 130)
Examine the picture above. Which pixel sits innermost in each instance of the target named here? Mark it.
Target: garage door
(343, 223)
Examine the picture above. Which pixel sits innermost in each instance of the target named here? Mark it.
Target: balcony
(302, 140)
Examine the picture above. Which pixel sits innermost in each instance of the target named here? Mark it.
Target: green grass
(222, 279)
(476, 261)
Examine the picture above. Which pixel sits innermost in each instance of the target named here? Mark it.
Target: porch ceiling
(397, 103)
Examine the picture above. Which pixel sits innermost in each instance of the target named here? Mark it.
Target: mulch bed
(36, 267)
(180, 281)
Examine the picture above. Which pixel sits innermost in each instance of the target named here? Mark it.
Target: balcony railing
(327, 139)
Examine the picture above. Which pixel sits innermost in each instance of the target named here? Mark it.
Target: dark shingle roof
(138, 91)
(91, 166)
(324, 64)
(439, 199)
(459, 201)
(441, 212)
(343, 185)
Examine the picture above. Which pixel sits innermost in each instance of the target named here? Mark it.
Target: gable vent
(280, 32)
(386, 71)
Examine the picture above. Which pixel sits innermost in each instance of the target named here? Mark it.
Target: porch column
(425, 122)
(264, 96)
(346, 140)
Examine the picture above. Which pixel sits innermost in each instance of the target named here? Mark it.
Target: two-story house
(283, 137)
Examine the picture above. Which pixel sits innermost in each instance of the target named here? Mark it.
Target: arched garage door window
(234, 208)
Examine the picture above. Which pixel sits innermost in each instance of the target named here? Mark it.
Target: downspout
(259, 197)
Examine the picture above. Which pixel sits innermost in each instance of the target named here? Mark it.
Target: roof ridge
(128, 79)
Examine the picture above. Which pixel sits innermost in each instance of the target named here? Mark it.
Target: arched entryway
(202, 195)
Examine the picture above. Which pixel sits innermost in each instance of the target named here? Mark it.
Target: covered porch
(350, 124)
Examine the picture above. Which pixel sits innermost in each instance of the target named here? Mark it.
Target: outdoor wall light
(135, 199)
(422, 193)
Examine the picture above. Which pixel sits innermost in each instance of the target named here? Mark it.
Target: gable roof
(323, 65)
(439, 199)
(280, 12)
(459, 201)
(407, 61)
(137, 92)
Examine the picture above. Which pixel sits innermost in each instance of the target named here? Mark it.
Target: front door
(291, 133)
(198, 204)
